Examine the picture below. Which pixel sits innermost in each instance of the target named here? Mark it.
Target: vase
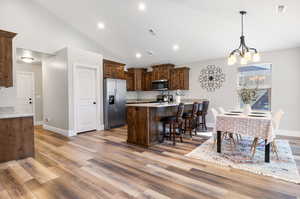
(247, 109)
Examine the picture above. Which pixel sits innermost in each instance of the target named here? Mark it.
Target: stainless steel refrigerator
(114, 103)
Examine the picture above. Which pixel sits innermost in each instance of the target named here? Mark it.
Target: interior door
(86, 99)
(25, 92)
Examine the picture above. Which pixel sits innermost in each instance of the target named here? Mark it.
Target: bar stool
(201, 115)
(175, 125)
(190, 123)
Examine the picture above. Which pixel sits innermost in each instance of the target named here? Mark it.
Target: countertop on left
(15, 115)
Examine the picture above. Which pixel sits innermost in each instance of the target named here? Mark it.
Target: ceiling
(36, 56)
(203, 29)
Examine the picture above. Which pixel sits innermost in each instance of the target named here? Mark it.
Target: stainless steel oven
(160, 85)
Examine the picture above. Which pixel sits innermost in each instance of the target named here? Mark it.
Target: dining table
(255, 124)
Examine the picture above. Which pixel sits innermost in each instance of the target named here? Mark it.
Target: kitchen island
(16, 136)
(143, 120)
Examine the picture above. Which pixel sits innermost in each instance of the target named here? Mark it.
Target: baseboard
(57, 130)
(38, 123)
(101, 127)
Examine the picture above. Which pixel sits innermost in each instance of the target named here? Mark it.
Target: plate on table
(232, 114)
(236, 111)
(258, 113)
(256, 116)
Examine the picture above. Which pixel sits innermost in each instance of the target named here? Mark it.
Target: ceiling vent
(152, 32)
(280, 9)
(150, 53)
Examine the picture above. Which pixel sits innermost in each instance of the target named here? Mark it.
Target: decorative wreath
(211, 78)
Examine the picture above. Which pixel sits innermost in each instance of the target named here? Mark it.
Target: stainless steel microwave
(160, 85)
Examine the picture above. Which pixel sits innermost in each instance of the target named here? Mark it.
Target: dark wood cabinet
(6, 58)
(179, 79)
(135, 79)
(114, 70)
(162, 72)
(16, 138)
(138, 79)
(148, 81)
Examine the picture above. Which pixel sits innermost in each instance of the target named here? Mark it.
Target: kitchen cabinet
(16, 138)
(179, 79)
(135, 79)
(148, 81)
(162, 72)
(6, 58)
(114, 70)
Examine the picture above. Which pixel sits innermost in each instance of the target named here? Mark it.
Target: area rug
(285, 168)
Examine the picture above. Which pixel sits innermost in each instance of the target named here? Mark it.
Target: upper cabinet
(162, 72)
(135, 79)
(6, 58)
(148, 81)
(113, 69)
(179, 79)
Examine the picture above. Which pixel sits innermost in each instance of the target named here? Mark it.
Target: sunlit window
(258, 78)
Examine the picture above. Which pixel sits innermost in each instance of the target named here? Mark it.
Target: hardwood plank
(101, 164)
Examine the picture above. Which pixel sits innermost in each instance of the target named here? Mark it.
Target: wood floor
(101, 165)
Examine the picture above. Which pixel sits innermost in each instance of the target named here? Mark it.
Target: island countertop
(165, 104)
(15, 115)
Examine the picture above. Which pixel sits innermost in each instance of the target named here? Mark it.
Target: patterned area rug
(285, 168)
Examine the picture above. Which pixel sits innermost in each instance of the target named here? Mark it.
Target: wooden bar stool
(201, 115)
(190, 120)
(175, 125)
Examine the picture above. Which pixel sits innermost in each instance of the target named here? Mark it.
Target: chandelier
(246, 53)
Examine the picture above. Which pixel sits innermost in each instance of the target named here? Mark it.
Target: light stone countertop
(165, 104)
(15, 115)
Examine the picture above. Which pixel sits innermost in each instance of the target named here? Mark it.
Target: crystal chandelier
(246, 53)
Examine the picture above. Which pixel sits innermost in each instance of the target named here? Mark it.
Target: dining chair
(190, 120)
(201, 115)
(276, 119)
(222, 110)
(175, 122)
(215, 114)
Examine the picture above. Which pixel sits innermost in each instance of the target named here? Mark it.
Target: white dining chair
(215, 114)
(222, 110)
(276, 120)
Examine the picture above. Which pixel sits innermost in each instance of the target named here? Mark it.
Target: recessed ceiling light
(138, 55)
(27, 59)
(142, 6)
(175, 47)
(101, 25)
(280, 9)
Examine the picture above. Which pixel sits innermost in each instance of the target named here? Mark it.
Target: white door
(25, 92)
(86, 99)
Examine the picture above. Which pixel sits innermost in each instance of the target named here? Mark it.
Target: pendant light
(246, 53)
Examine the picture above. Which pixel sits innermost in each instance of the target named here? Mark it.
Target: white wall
(38, 86)
(58, 86)
(55, 90)
(39, 30)
(90, 59)
(285, 85)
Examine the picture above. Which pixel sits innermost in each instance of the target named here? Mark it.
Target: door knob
(30, 98)
(94, 102)
(30, 102)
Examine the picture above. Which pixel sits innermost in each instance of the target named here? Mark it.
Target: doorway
(85, 99)
(25, 92)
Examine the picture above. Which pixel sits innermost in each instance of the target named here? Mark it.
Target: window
(259, 78)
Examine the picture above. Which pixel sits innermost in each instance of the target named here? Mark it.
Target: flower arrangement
(248, 95)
